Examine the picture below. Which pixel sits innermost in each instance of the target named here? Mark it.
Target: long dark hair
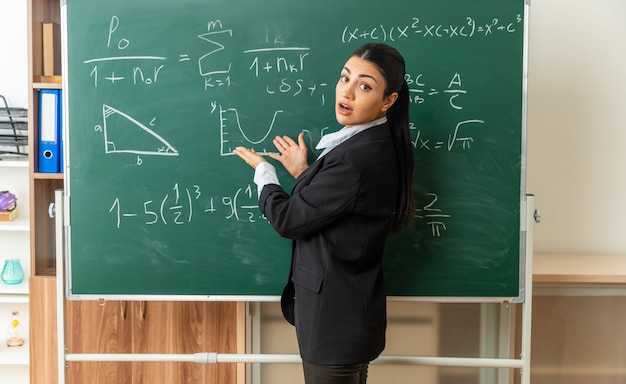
(391, 65)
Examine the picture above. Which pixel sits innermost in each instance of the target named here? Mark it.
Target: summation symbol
(211, 37)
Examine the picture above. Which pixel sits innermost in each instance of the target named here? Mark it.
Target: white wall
(577, 125)
(14, 52)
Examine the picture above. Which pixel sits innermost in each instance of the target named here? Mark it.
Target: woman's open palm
(293, 156)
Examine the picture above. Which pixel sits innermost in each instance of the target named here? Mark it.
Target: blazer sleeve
(320, 197)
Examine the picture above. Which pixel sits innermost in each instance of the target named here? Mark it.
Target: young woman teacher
(339, 214)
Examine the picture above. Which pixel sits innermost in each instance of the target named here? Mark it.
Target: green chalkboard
(160, 92)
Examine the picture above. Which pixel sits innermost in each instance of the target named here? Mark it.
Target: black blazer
(339, 215)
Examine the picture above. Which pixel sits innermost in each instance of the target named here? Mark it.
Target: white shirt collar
(331, 140)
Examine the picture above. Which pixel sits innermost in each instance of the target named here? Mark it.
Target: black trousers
(335, 374)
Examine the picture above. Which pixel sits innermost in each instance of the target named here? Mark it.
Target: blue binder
(60, 131)
(49, 143)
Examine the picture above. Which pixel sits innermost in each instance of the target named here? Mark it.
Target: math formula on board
(277, 67)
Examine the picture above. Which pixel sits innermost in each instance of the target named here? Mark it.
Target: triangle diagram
(124, 134)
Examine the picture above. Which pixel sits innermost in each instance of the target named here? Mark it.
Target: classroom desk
(579, 319)
(578, 269)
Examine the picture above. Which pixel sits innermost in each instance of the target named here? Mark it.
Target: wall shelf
(15, 290)
(14, 355)
(47, 86)
(14, 236)
(12, 162)
(20, 224)
(20, 298)
(48, 176)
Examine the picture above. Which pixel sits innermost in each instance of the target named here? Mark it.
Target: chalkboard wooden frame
(129, 225)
